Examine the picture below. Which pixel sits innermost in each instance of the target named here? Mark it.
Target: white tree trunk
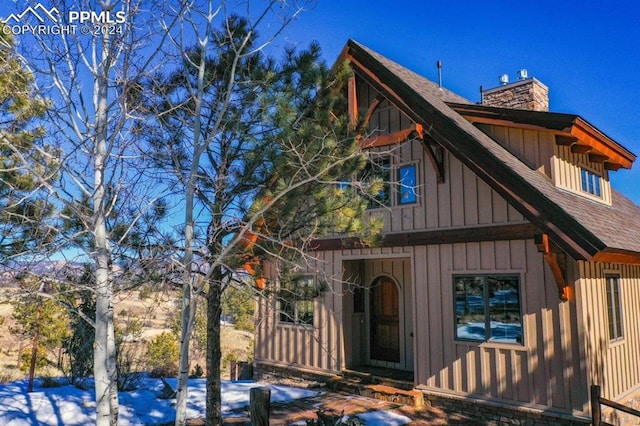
(105, 371)
(190, 293)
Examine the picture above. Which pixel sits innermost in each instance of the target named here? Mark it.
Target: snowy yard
(68, 405)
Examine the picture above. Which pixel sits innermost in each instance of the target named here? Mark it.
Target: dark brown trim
(557, 263)
(523, 231)
(436, 155)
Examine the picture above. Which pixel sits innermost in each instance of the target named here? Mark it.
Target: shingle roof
(583, 228)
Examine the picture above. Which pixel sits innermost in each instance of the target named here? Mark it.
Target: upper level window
(591, 182)
(614, 311)
(379, 173)
(488, 308)
(407, 184)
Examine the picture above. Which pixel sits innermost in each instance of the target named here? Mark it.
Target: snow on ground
(69, 406)
(383, 418)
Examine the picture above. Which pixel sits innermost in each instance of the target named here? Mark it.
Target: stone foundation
(492, 413)
(483, 411)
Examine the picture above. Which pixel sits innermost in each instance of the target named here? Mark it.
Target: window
(296, 299)
(379, 173)
(591, 182)
(614, 311)
(407, 184)
(488, 308)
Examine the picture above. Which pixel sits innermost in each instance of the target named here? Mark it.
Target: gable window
(614, 311)
(591, 182)
(407, 184)
(296, 300)
(488, 308)
(379, 172)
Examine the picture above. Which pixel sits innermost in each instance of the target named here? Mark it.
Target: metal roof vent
(522, 74)
(504, 79)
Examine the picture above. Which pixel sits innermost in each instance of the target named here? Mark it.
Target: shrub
(167, 370)
(7, 376)
(163, 351)
(51, 382)
(196, 372)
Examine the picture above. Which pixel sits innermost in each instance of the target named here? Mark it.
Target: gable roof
(585, 229)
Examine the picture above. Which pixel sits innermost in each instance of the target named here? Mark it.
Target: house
(508, 275)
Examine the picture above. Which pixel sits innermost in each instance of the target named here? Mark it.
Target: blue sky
(586, 52)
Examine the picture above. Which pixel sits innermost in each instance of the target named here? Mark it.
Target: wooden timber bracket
(556, 261)
(435, 152)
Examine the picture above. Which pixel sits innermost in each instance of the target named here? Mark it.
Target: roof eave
(574, 129)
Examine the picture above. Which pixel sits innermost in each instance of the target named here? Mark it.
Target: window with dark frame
(296, 300)
(614, 309)
(591, 182)
(379, 171)
(407, 183)
(488, 308)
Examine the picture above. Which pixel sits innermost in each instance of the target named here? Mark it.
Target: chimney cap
(523, 74)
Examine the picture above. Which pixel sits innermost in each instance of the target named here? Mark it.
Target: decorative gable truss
(434, 151)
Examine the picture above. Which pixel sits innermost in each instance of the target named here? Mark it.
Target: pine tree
(79, 345)
(22, 224)
(260, 146)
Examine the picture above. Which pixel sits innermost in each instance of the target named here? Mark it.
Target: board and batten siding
(545, 370)
(539, 151)
(566, 172)
(613, 364)
(317, 346)
(462, 200)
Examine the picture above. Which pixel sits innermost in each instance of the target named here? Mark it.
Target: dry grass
(153, 312)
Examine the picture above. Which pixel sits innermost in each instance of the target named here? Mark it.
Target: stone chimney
(526, 93)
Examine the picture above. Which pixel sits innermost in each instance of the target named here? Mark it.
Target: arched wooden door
(384, 320)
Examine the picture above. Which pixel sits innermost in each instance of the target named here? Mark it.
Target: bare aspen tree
(87, 69)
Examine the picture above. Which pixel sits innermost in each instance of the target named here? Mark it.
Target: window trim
(615, 329)
(486, 308)
(375, 165)
(594, 183)
(398, 182)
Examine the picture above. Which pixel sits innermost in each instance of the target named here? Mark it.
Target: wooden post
(260, 406)
(596, 415)
(233, 370)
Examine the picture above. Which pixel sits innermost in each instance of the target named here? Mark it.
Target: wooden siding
(534, 148)
(613, 364)
(317, 346)
(539, 151)
(463, 200)
(566, 172)
(546, 370)
(458, 202)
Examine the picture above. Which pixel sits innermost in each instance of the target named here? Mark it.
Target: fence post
(260, 406)
(596, 415)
